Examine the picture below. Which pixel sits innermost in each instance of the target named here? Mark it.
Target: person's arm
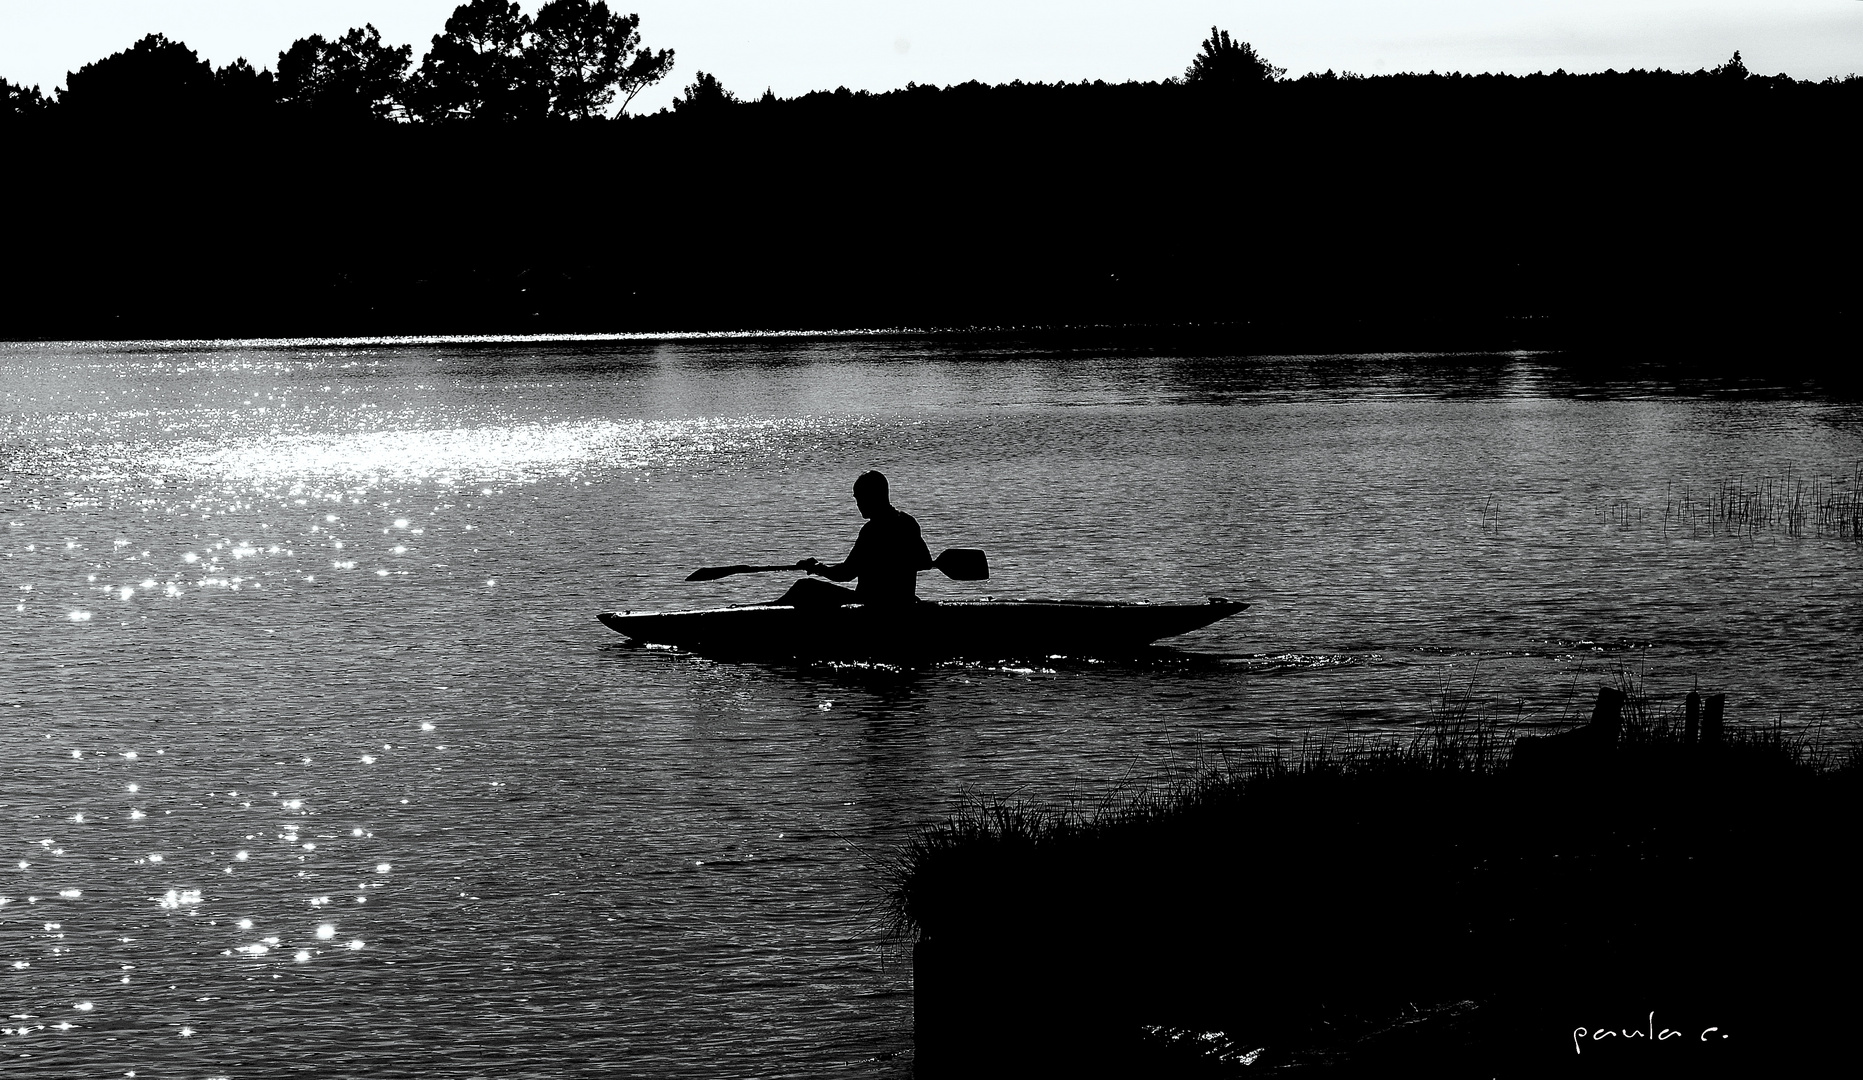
(924, 553)
(846, 570)
(841, 571)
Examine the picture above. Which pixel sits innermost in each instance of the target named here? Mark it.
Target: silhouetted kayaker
(887, 556)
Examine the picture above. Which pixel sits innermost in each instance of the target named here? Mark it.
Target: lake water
(314, 760)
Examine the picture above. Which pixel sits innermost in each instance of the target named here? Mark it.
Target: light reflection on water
(515, 453)
(310, 736)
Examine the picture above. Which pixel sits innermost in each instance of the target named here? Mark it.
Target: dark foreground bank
(1642, 897)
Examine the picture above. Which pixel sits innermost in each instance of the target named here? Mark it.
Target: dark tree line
(573, 60)
(1647, 209)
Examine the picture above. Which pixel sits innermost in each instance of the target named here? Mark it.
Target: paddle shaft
(708, 573)
(963, 564)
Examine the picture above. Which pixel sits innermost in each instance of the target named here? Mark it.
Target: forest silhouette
(498, 183)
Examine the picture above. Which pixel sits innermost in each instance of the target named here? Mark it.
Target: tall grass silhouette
(1786, 502)
(1352, 904)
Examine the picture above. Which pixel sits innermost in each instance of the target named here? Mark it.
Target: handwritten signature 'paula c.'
(1580, 1034)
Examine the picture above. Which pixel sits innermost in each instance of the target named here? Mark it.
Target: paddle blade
(963, 564)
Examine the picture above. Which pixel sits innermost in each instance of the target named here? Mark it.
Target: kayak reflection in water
(887, 557)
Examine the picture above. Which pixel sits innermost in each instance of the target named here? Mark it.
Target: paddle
(712, 573)
(959, 564)
(963, 564)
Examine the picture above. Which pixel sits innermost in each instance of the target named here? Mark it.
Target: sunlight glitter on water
(101, 881)
(235, 346)
(508, 453)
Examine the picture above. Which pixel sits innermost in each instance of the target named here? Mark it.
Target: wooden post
(1579, 746)
(1691, 718)
(1607, 715)
(1711, 718)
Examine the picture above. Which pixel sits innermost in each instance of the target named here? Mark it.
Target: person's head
(870, 493)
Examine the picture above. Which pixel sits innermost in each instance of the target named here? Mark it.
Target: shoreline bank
(1462, 903)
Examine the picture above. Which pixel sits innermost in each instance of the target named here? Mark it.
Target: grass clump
(1347, 905)
(1785, 502)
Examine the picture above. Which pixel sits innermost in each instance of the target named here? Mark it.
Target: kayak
(929, 629)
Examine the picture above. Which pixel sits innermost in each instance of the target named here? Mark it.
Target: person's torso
(891, 555)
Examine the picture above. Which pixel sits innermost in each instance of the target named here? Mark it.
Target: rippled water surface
(314, 759)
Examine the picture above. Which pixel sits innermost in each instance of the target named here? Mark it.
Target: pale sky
(794, 46)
